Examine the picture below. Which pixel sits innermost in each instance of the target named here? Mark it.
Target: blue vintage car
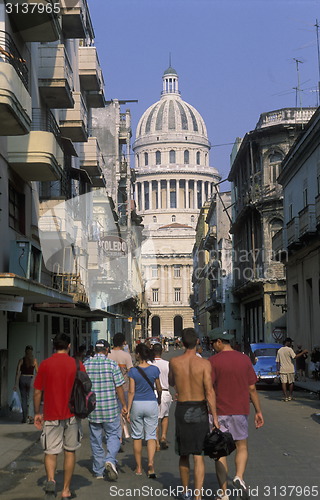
(265, 361)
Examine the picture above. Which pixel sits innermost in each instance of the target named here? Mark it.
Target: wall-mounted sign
(114, 246)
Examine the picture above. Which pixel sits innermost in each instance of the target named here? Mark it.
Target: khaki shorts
(58, 435)
(287, 378)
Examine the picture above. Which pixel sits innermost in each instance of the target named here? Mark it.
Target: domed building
(173, 180)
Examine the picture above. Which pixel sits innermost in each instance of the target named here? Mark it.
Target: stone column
(209, 190)
(195, 198)
(168, 194)
(159, 194)
(150, 195)
(142, 196)
(187, 193)
(203, 193)
(177, 194)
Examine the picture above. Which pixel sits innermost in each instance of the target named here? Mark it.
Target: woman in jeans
(143, 406)
(26, 370)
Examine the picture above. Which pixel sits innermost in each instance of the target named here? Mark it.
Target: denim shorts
(144, 420)
(237, 425)
(61, 434)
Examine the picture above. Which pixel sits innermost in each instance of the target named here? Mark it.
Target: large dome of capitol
(171, 119)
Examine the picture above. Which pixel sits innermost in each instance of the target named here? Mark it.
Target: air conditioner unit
(25, 260)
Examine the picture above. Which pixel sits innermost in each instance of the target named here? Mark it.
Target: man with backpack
(60, 427)
(107, 383)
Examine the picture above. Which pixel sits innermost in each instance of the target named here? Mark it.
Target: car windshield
(268, 351)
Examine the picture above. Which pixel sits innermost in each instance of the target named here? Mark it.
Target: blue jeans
(26, 392)
(111, 431)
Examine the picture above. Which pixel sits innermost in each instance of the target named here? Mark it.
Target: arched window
(186, 157)
(158, 158)
(155, 326)
(198, 157)
(275, 160)
(192, 218)
(146, 159)
(173, 218)
(172, 156)
(177, 325)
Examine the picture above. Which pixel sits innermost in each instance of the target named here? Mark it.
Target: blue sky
(235, 58)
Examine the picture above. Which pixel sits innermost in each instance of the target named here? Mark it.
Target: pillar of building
(187, 194)
(177, 194)
(168, 194)
(203, 193)
(159, 195)
(142, 196)
(195, 197)
(150, 195)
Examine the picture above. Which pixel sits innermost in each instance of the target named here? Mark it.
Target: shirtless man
(191, 375)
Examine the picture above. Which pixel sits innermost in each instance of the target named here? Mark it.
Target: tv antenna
(318, 49)
(298, 89)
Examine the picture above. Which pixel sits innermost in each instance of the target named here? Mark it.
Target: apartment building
(259, 282)
(298, 242)
(52, 182)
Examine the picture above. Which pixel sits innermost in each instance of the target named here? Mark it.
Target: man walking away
(234, 381)
(60, 428)
(166, 398)
(124, 360)
(107, 383)
(285, 367)
(191, 375)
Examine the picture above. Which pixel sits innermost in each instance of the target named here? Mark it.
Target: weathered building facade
(257, 214)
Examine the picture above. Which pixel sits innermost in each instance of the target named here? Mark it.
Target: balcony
(125, 126)
(285, 116)
(279, 245)
(91, 160)
(76, 21)
(90, 73)
(307, 221)
(56, 220)
(293, 232)
(37, 156)
(55, 76)
(15, 100)
(74, 122)
(95, 99)
(38, 21)
(210, 238)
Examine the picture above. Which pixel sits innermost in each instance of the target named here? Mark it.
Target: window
(155, 294)
(158, 158)
(198, 157)
(275, 163)
(154, 218)
(154, 271)
(173, 218)
(305, 194)
(146, 159)
(290, 211)
(176, 271)
(186, 157)
(177, 294)
(192, 218)
(172, 156)
(16, 210)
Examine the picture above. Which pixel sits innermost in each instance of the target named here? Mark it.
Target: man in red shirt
(234, 382)
(60, 428)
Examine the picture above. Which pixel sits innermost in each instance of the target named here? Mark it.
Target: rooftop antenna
(317, 28)
(298, 89)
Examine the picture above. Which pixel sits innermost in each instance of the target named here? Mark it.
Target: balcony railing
(307, 221)
(46, 122)
(285, 116)
(293, 232)
(9, 53)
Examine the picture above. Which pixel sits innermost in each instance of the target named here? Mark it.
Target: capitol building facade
(173, 181)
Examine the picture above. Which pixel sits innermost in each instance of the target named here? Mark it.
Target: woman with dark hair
(26, 370)
(143, 406)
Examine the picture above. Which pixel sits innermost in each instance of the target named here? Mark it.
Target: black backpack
(82, 400)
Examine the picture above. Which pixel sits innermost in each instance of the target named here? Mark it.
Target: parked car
(265, 361)
(154, 340)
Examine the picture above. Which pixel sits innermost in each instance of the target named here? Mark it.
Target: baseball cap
(102, 343)
(221, 336)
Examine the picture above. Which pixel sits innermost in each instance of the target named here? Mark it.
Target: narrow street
(283, 463)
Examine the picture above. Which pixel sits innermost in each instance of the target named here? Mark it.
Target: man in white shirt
(166, 398)
(285, 367)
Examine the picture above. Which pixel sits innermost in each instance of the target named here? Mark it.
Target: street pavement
(283, 463)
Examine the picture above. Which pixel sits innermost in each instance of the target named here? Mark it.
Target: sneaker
(50, 487)
(241, 485)
(99, 477)
(111, 471)
(285, 399)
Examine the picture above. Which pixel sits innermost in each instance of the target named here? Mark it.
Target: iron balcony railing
(10, 54)
(45, 122)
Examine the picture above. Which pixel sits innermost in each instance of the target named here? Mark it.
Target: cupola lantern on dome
(170, 82)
